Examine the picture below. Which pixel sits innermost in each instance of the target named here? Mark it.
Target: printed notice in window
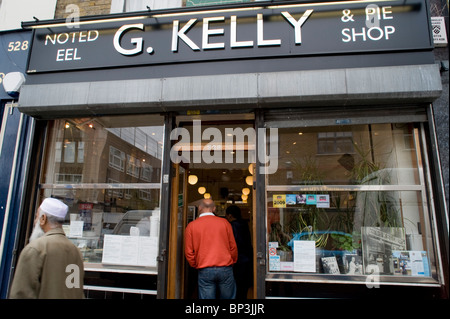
(130, 250)
(304, 255)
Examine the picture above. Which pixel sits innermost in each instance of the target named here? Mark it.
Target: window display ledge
(120, 269)
(121, 290)
(346, 279)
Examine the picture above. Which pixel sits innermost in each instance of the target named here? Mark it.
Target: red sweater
(209, 242)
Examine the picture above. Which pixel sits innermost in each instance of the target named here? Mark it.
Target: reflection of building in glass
(87, 153)
(344, 156)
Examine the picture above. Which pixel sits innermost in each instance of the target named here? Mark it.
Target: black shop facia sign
(293, 29)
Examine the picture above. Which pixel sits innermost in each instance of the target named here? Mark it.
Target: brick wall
(87, 7)
(95, 7)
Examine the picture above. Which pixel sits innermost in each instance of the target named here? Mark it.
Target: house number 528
(18, 46)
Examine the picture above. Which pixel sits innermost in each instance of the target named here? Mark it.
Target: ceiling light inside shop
(192, 179)
(251, 168)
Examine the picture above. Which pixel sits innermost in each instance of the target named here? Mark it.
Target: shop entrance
(209, 159)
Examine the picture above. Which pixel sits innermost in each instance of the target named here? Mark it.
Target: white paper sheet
(76, 228)
(148, 250)
(304, 255)
(130, 250)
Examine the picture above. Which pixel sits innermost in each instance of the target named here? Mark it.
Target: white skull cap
(54, 207)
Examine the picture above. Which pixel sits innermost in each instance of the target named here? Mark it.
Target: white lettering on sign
(260, 26)
(208, 31)
(70, 54)
(233, 36)
(360, 26)
(182, 35)
(297, 24)
(67, 55)
(374, 14)
(373, 31)
(138, 42)
(373, 34)
(72, 37)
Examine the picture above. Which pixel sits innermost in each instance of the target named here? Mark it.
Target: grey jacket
(50, 267)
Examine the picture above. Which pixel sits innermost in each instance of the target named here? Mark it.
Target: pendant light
(192, 179)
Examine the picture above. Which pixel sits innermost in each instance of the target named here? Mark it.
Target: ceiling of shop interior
(222, 183)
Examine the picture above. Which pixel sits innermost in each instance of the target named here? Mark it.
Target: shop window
(114, 208)
(68, 178)
(334, 142)
(116, 158)
(146, 172)
(133, 165)
(58, 151)
(80, 153)
(69, 152)
(114, 193)
(350, 201)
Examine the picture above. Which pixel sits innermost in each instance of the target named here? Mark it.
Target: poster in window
(279, 201)
(311, 199)
(291, 199)
(130, 250)
(330, 265)
(323, 201)
(410, 263)
(378, 244)
(301, 199)
(304, 255)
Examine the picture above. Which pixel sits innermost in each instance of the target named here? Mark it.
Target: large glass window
(350, 200)
(107, 170)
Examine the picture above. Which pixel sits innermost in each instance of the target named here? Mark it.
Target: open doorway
(219, 164)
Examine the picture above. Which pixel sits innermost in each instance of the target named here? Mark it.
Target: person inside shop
(210, 248)
(50, 266)
(243, 269)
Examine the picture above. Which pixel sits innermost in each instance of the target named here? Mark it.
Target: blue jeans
(216, 280)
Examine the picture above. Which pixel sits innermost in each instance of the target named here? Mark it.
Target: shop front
(14, 128)
(315, 119)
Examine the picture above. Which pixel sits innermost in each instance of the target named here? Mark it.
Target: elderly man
(50, 266)
(211, 248)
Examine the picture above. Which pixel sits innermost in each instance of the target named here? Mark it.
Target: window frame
(432, 246)
(50, 185)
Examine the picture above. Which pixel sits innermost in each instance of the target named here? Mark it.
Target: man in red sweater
(211, 248)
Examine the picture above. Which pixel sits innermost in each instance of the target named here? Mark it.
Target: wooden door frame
(176, 260)
(167, 276)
